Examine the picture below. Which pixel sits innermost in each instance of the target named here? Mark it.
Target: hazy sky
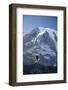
(31, 22)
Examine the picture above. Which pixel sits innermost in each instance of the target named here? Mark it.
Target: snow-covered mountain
(46, 42)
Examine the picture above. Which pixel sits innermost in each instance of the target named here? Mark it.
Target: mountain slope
(45, 42)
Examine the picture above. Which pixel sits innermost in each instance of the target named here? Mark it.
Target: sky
(33, 21)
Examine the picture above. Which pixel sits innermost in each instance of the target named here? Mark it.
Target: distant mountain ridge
(46, 43)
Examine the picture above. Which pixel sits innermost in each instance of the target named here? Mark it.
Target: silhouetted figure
(37, 57)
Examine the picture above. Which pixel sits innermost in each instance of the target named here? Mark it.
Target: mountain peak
(42, 29)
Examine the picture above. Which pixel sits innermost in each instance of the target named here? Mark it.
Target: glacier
(46, 43)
